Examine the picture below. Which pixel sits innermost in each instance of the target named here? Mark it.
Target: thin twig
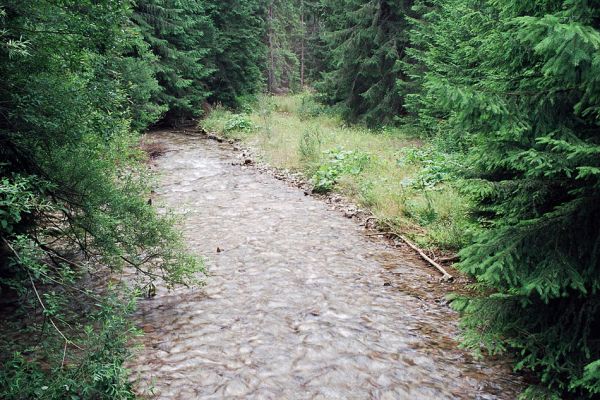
(67, 340)
(57, 255)
(62, 364)
(91, 296)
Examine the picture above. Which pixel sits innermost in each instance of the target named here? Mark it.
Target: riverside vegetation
(471, 125)
(405, 181)
(80, 81)
(504, 95)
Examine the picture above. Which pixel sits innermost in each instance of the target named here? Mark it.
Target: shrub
(239, 123)
(310, 107)
(74, 197)
(339, 162)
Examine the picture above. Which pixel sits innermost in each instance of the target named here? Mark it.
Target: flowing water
(299, 304)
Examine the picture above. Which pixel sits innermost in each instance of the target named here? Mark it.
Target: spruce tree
(239, 56)
(315, 53)
(295, 50)
(368, 41)
(521, 81)
(284, 40)
(181, 35)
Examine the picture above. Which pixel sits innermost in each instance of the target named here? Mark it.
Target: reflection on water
(299, 304)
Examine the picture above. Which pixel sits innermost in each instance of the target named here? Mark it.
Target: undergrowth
(65, 323)
(90, 366)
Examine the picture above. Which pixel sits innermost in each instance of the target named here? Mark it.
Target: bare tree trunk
(271, 72)
(302, 44)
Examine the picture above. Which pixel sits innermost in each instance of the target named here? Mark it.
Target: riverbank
(402, 179)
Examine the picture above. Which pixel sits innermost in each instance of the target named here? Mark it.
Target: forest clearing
(312, 199)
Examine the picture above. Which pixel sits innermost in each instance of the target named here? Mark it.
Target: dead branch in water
(153, 149)
(445, 275)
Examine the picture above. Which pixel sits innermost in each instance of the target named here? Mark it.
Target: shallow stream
(299, 304)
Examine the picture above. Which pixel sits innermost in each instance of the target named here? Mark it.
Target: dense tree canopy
(240, 51)
(79, 79)
(367, 41)
(181, 36)
(518, 82)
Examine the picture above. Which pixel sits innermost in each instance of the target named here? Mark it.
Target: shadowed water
(299, 304)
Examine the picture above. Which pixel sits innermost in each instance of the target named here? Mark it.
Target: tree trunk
(271, 72)
(302, 44)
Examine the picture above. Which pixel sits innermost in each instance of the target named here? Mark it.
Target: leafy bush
(19, 200)
(339, 162)
(435, 166)
(311, 108)
(246, 103)
(93, 371)
(239, 123)
(74, 197)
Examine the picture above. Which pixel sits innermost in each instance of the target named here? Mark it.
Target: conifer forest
(300, 199)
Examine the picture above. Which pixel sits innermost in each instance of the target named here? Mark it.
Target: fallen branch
(57, 255)
(446, 276)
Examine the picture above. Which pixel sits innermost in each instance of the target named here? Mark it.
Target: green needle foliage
(511, 88)
(283, 29)
(521, 81)
(240, 52)
(368, 41)
(182, 36)
(204, 51)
